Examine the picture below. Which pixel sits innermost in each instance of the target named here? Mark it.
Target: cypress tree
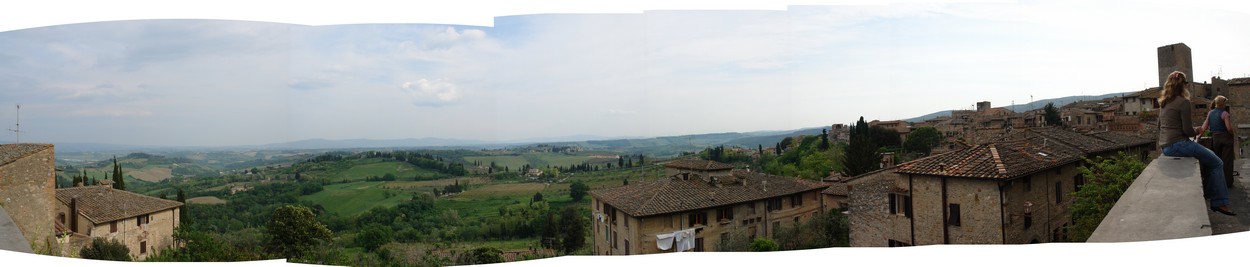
(118, 182)
(182, 212)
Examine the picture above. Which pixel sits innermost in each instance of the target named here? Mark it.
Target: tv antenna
(18, 130)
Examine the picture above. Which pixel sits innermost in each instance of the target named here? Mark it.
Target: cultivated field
(206, 200)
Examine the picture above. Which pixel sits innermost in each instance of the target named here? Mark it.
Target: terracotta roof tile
(1025, 152)
(667, 195)
(696, 164)
(102, 204)
(12, 152)
(837, 189)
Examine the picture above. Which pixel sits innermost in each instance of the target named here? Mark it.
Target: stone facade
(143, 240)
(629, 235)
(1175, 57)
(1016, 191)
(27, 188)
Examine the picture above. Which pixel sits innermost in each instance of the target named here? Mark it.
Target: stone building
(703, 168)
(1013, 191)
(898, 126)
(1239, 103)
(145, 224)
(27, 182)
(631, 219)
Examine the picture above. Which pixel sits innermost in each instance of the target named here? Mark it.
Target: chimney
(765, 185)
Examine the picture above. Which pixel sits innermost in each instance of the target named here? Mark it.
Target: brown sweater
(1175, 122)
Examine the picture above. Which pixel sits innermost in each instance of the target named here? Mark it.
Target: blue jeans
(1213, 187)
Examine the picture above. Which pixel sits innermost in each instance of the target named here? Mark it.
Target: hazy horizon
(656, 73)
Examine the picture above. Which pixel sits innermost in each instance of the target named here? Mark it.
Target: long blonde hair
(1173, 88)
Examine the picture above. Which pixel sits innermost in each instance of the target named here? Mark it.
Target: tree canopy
(293, 230)
(922, 140)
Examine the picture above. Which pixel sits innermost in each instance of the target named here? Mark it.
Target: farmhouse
(696, 205)
(145, 224)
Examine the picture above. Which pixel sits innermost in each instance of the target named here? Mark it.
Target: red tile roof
(102, 204)
(697, 164)
(1026, 152)
(668, 195)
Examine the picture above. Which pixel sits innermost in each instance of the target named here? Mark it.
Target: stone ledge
(1165, 202)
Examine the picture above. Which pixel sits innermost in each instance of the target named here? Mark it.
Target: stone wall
(747, 217)
(871, 223)
(28, 193)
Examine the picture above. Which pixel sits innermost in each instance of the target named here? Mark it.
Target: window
(113, 227)
(776, 227)
(698, 244)
(904, 207)
(796, 221)
(725, 214)
(626, 221)
(751, 208)
(143, 247)
(60, 217)
(626, 246)
(614, 239)
(774, 204)
(907, 206)
(611, 211)
(696, 218)
(1028, 220)
(1058, 192)
(953, 217)
(896, 243)
(1078, 182)
(751, 230)
(1028, 183)
(142, 219)
(893, 203)
(796, 200)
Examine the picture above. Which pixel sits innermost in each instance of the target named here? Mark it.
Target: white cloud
(431, 92)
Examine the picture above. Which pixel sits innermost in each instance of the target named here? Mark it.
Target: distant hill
(1028, 106)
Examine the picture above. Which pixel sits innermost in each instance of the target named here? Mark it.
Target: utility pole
(18, 130)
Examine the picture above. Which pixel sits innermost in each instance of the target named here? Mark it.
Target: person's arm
(1203, 129)
(1228, 123)
(1186, 111)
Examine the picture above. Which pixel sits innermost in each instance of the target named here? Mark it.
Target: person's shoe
(1225, 210)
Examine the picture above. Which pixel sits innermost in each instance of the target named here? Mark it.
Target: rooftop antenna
(18, 130)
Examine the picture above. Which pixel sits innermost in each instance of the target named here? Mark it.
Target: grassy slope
(350, 199)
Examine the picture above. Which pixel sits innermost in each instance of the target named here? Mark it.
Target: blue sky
(639, 73)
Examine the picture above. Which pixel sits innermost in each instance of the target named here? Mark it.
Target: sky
(667, 70)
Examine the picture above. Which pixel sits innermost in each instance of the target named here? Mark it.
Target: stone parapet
(1165, 202)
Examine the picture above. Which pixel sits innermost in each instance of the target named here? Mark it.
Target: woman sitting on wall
(1175, 129)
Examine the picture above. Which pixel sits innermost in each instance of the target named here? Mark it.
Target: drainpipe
(946, 238)
(1002, 212)
(911, 221)
(73, 217)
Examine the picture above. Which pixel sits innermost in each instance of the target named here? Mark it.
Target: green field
(539, 160)
(350, 199)
(362, 169)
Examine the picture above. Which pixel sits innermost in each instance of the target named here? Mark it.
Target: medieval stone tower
(1175, 57)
